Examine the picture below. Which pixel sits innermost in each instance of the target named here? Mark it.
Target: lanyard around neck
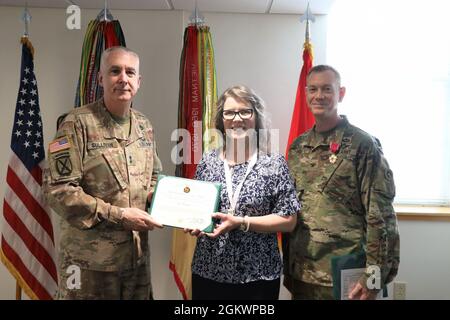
(234, 196)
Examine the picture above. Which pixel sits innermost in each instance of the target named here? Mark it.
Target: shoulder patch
(59, 144)
(63, 164)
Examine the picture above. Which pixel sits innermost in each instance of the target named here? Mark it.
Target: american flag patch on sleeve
(59, 144)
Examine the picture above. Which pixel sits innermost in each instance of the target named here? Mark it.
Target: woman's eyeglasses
(244, 114)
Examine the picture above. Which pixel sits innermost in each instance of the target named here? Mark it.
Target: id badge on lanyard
(235, 196)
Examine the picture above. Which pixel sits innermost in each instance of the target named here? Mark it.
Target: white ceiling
(233, 6)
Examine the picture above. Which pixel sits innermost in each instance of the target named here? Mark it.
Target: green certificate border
(218, 187)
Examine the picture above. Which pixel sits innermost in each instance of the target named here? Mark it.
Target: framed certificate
(185, 203)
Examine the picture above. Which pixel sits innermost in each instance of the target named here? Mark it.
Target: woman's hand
(228, 222)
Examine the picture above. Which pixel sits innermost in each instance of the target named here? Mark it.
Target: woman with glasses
(240, 258)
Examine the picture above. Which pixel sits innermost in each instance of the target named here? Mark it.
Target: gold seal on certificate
(185, 203)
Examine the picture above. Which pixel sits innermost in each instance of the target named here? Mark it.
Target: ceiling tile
(92, 4)
(232, 6)
(237, 6)
(126, 5)
(299, 6)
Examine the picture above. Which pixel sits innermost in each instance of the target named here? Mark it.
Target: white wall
(425, 259)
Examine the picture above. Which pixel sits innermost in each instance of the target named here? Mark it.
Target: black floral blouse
(237, 256)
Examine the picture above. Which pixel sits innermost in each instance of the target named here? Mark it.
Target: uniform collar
(335, 135)
(114, 131)
(137, 130)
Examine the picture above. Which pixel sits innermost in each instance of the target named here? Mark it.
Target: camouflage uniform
(347, 207)
(94, 170)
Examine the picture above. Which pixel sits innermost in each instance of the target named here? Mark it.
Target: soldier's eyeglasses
(244, 114)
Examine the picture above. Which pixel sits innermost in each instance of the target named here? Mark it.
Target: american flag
(27, 242)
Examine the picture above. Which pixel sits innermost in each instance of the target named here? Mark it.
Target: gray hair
(246, 95)
(106, 53)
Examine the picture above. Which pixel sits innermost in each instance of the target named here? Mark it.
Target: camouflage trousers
(133, 284)
(306, 291)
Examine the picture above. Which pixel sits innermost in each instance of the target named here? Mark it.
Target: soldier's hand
(361, 293)
(138, 220)
(194, 232)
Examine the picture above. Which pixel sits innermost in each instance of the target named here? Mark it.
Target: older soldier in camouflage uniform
(102, 167)
(347, 190)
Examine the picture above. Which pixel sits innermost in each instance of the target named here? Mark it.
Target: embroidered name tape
(100, 145)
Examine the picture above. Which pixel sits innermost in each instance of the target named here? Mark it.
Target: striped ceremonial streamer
(100, 35)
(197, 101)
(27, 242)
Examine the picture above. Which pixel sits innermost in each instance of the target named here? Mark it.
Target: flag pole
(18, 291)
(26, 18)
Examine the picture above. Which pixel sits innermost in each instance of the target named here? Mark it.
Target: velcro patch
(59, 144)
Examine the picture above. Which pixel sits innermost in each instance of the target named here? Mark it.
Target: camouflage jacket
(94, 170)
(347, 190)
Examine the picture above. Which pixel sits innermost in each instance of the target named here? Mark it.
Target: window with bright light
(394, 59)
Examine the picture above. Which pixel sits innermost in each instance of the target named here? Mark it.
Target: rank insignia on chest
(131, 160)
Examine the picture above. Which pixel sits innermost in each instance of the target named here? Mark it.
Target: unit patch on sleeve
(63, 164)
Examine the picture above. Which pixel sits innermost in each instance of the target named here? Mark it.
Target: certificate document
(185, 203)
